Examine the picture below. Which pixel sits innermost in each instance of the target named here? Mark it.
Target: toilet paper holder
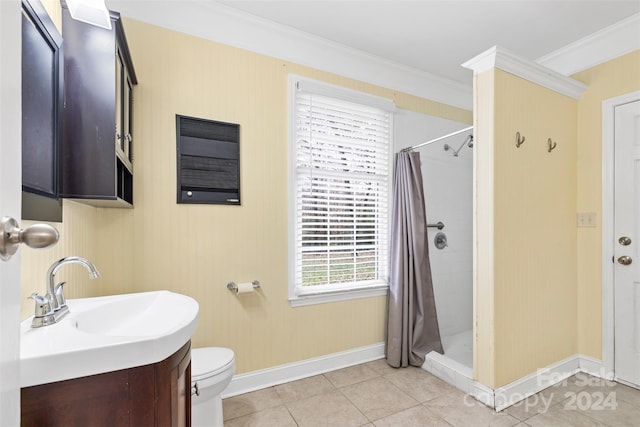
(232, 286)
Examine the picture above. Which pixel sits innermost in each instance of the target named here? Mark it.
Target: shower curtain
(412, 322)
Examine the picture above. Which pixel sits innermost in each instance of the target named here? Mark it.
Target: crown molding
(229, 26)
(223, 24)
(609, 43)
(498, 57)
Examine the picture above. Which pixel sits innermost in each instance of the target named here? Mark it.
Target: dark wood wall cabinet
(42, 86)
(150, 395)
(97, 138)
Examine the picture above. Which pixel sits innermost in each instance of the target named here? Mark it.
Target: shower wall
(448, 186)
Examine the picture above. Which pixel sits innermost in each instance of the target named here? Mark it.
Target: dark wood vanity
(152, 395)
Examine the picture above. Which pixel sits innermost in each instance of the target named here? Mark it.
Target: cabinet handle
(118, 136)
(128, 137)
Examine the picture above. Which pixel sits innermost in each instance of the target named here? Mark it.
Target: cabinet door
(128, 118)
(119, 99)
(124, 110)
(98, 400)
(181, 399)
(97, 167)
(89, 112)
(155, 395)
(41, 113)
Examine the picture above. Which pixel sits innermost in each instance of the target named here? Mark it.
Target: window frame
(332, 293)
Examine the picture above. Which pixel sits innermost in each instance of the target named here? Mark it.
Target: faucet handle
(43, 306)
(59, 294)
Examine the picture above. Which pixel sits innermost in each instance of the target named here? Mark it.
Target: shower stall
(447, 170)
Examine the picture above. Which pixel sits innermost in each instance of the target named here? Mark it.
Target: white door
(10, 191)
(627, 242)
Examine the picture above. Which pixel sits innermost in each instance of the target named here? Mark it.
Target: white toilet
(211, 371)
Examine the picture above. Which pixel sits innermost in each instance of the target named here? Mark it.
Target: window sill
(335, 296)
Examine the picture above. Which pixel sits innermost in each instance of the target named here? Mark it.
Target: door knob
(624, 241)
(36, 236)
(625, 260)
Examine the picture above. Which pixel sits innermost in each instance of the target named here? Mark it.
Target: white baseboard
(483, 394)
(535, 382)
(546, 377)
(594, 367)
(501, 398)
(264, 378)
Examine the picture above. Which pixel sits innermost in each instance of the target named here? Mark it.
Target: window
(340, 167)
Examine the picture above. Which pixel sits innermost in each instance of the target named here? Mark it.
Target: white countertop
(106, 334)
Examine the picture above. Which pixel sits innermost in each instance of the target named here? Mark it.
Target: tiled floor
(374, 394)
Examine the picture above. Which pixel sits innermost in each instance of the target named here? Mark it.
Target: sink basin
(136, 315)
(106, 334)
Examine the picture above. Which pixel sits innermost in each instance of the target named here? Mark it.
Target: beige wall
(527, 284)
(196, 250)
(538, 292)
(55, 11)
(77, 238)
(483, 228)
(611, 79)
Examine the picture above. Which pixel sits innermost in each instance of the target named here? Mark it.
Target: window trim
(376, 288)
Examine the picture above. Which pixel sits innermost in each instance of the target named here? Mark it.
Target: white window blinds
(341, 170)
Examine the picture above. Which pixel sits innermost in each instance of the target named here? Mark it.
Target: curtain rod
(413, 147)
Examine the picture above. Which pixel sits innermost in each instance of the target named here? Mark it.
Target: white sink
(106, 334)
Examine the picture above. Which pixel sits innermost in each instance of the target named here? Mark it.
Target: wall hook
(551, 145)
(519, 140)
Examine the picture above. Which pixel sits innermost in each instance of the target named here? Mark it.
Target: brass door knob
(625, 260)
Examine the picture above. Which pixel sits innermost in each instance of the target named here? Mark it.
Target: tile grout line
(353, 404)
(381, 374)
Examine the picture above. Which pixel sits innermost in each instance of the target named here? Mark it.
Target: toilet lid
(208, 361)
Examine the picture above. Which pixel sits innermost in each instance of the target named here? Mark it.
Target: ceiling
(437, 36)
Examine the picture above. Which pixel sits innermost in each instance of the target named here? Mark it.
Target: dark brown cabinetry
(42, 85)
(98, 114)
(150, 395)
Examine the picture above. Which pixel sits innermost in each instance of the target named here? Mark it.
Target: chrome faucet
(53, 306)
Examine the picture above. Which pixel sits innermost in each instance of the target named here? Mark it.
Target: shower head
(468, 142)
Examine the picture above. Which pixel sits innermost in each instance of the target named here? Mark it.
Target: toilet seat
(210, 361)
